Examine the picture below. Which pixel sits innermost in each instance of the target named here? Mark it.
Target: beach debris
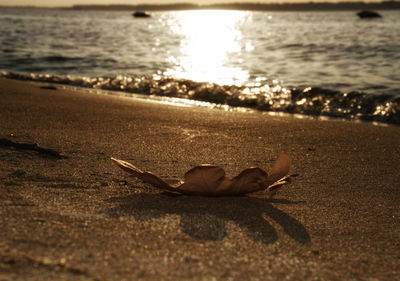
(210, 180)
(31, 146)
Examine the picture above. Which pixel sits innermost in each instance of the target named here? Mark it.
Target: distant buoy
(141, 14)
(368, 15)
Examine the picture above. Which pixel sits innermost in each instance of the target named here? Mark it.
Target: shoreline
(303, 102)
(183, 102)
(82, 217)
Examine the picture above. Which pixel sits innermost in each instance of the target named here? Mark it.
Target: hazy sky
(52, 3)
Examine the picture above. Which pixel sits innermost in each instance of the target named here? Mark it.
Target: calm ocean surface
(316, 63)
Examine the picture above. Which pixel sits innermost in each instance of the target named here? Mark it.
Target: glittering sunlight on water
(211, 46)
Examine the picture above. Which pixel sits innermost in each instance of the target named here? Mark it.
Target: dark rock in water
(368, 15)
(141, 14)
(48, 87)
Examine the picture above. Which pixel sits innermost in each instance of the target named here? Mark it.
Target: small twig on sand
(45, 262)
(31, 146)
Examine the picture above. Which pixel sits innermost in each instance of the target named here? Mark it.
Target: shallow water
(318, 63)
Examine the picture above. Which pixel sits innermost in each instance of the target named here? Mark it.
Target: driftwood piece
(31, 146)
(210, 180)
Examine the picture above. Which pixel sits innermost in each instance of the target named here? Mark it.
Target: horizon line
(233, 4)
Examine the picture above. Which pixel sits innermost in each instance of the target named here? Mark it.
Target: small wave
(57, 58)
(260, 96)
(46, 60)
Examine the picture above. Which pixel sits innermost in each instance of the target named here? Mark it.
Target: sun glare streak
(211, 47)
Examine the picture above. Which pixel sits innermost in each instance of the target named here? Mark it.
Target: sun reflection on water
(211, 47)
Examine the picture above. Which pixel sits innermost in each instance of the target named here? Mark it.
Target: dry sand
(82, 218)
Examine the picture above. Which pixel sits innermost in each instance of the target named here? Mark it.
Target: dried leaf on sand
(211, 180)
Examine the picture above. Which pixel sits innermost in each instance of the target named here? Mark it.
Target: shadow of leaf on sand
(205, 218)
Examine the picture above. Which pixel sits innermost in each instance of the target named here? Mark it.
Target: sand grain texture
(82, 218)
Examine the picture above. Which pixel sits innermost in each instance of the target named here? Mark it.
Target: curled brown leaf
(211, 180)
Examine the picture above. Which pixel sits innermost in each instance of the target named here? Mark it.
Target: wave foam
(260, 96)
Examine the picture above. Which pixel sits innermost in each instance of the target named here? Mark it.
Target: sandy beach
(74, 215)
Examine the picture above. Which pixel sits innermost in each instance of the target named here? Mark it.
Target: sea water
(316, 63)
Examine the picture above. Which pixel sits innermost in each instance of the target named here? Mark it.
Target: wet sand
(79, 217)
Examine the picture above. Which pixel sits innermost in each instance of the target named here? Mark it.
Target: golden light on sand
(211, 46)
